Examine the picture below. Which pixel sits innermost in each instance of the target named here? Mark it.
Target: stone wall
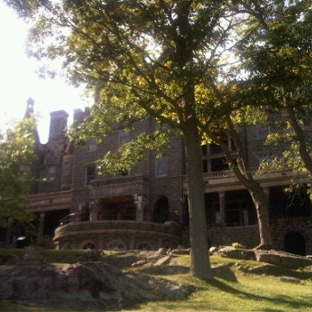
(302, 226)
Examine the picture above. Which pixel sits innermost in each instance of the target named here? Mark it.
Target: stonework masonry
(146, 207)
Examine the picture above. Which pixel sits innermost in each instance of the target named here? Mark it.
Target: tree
(16, 155)
(279, 65)
(142, 57)
(167, 59)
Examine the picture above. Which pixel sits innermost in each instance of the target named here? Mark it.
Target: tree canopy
(16, 155)
(277, 59)
(200, 68)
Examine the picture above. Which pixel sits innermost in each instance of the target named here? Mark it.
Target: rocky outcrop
(284, 259)
(88, 284)
(236, 253)
(281, 258)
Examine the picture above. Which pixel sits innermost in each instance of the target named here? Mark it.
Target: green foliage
(277, 65)
(237, 245)
(203, 68)
(16, 155)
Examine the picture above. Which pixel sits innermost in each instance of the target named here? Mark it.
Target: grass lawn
(250, 293)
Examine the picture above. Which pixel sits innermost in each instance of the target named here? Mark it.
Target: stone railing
(228, 177)
(75, 217)
(225, 174)
(50, 201)
(118, 180)
(118, 226)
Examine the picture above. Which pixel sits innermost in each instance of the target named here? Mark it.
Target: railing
(169, 228)
(225, 174)
(118, 180)
(50, 201)
(75, 217)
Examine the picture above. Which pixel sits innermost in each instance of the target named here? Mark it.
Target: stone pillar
(8, 234)
(139, 204)
(93, 212)
(266, 191)
(222, 208)
(41, 223)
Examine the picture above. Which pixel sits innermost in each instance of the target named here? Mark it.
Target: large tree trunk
(200, 264)
(240, 167)
(261, 201)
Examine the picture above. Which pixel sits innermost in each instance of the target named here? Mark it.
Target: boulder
(92, 284)
(281, 258)
(289, 279)
(163, 261)
(224, 271)
(275, 270)
(236, 253)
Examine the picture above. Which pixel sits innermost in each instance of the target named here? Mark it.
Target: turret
(29, 113)
(29, 108)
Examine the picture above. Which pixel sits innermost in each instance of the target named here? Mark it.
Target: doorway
(295, 243)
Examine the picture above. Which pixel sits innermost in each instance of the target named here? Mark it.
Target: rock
(139, 263)
(160, 252)
(121, 260)
(181, 251)
(163, 261)
(32, 256)
(236, 253)
(165, 270)
(213, 250)
(6, 258)
(224, 271)
(281, 258)
(90, 284)
(275, 270)
(289, 279)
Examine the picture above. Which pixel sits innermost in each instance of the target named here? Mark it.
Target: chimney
(58, 124)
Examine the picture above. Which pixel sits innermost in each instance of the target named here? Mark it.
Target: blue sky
(19, 81)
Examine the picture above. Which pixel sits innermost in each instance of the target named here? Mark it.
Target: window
(90, 174)
(162, 166)
(123, 137)
(91, 145)
(213, 158)
(48, 174)
(66, 168)
(262, 132)
(51, 173)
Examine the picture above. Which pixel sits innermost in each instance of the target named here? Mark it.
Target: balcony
(50, 201)
(227, 180)
(76, 232)
(112, 186)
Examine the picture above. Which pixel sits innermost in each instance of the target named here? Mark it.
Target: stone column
(266, 191)
(8, 234)
(93, 212)
(222, 208)
(139, 204)
(41, 223)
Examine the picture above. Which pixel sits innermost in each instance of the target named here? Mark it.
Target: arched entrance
(161, 209)
(294, 242)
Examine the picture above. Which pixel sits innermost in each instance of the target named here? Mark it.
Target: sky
(19, 80)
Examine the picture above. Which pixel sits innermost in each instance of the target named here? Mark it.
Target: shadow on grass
(279, 300)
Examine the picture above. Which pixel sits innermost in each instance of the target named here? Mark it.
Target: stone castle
(146, 207)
